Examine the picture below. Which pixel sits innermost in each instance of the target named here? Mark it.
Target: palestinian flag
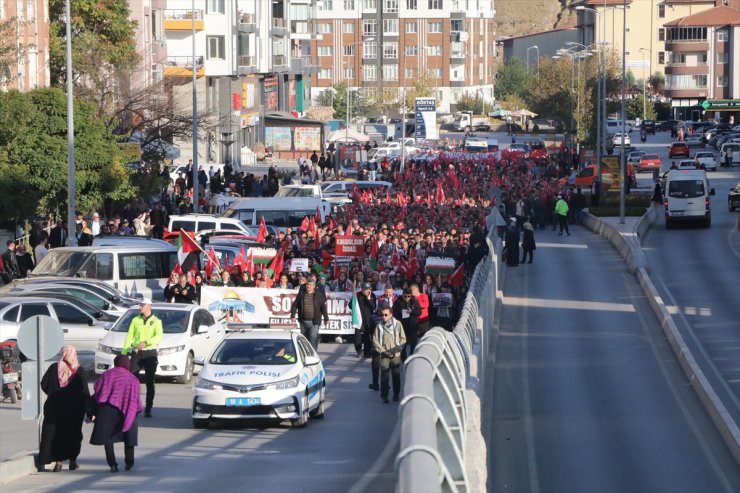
(458, 278)
(276, 265)
(187, 252)
(356, 314)
(440, 265)
(262, 255)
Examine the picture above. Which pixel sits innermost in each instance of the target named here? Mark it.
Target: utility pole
(195, 120)
(71, 225)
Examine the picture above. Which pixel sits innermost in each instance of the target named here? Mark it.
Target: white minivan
(194, 223)
(286, 212)
(132, 269)
(686, 199)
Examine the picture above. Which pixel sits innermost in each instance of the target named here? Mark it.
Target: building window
(348, 28)
(722, 35)
(215, 7)
(435, 27)
(325, 27)
(410, 27)
(661, 11)
(456, 25)
(390, 6)
(326, 5)
(369, 27)
(349, 50)
(390, 49)
(216, 47)
(435, 73)
(411, 50)
(435, 4)
(370, 50)
(723, 57)
(325, 51)
(687, 34)
(434, 50)
(661, 58)
(349, 73)
(409, 73)
(370, 73)
(412, 4)
(349, 4)
(369, 5)
(661, 34)
(390, 27)
(390, 72)
(326, 73)
(722, 81)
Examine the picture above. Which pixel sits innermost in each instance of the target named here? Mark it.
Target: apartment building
(252, 57)
(150, 42)
(646, 36)
(703, 65)
(26, 33)
(382, 46)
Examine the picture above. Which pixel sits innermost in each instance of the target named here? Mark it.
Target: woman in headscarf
(118, 401)
(64, 410)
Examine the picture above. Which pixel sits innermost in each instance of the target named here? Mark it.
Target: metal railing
(279, 22)
(182, 15)
(246, 61)
(247, 18)
(440, 383)
(279, 60)
(184, 61)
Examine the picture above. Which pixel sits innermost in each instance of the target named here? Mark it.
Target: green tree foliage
(336, 97)
(423, 86)
(634, 108)
(512, 78)
(33, 160)
(471, 102)
(656, 83)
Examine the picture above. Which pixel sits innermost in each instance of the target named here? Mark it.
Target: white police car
(260, 374)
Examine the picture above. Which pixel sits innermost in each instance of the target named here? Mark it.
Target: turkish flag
(457, 278)
(262, 233)
(240, 260)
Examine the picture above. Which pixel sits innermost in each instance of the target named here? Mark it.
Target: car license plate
(243, 401)
(676, 213)
(10, 377)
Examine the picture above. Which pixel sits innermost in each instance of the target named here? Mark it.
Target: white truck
(465, 121)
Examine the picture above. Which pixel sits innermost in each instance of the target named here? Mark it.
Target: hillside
(517, 17)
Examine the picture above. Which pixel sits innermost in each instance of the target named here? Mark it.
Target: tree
(10, 49)
(512, 102)
(33, 161)
(656, 83)
(423, 86)
(512, 78)
(634, 108)
(472, 103)
(336, 97)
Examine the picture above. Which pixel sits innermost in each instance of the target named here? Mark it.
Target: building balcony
(303, 64)
(683, 69)
(457, 57)
(247, 23)
(182, 66)
(246, 64)
(687, 45)
(279, 27)
(182, 20)
(303, 30)
(280, 63)
(687, 92)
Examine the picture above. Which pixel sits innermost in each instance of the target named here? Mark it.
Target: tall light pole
(195, 119)
(535, 47)
(623, 159)
(644, 82)
(71, 224)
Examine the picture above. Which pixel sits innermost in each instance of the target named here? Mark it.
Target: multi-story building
(251, 57)
(703, 65)
(26, 33)
(530, 47)
(150, 42)
(383, 46)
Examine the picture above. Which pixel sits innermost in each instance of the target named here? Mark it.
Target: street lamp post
(538, 58)
(623, 159)
(644, 82)
(195, 119)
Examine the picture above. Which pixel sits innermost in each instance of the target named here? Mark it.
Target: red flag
(395, 258)
(262, 234)
(211, 261)
(401, 199)
(240, 260)
(312, 228)
(317, 216)
(249, 266)
(332, 224)
(413, 264)
(326, 258)
(355, 192)
(440, 195)
(374, 248)
(457, 278)
(348, 232)
(277, 264)
(336, 268)
(387, 197)
(304, 224)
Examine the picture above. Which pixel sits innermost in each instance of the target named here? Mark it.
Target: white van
(132, 269)
(281, 212)
(686, 199)
(194, 223)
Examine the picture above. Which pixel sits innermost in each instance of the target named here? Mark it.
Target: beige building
(646, 34)
(27, 66)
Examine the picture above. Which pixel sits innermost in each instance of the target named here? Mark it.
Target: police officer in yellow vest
(144, 333)
(284, 354)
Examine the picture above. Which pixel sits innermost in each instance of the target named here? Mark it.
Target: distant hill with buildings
(517, 17)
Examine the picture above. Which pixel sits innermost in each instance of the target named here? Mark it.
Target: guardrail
(441, 444)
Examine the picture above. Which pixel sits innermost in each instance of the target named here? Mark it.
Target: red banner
(350, 246)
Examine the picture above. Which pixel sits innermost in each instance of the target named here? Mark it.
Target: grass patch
(635, 204)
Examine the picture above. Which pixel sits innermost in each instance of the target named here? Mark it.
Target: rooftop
(714, 17)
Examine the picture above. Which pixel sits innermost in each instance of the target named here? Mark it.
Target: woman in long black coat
(511, 240)
(64, 410)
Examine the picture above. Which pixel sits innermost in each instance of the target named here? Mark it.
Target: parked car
(733, 198)
(706, 160)
(667, 126)
(648, 126)
(729, 154)
(86, 295)
(695, 140)
(99, 315)
(102, 288)
(260, 374)
(678, 149)
(687, 164)
(190, 332)
(80, 329)
(634, 157)
(620, 140)
(649, 162)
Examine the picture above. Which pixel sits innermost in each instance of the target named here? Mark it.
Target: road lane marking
(534, 480)
(568, 304)
(579, 246)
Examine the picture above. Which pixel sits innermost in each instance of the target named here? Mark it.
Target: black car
(667, 125)
(648, 126)
(733, 198)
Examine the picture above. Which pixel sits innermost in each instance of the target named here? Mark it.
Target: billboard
(426, 119)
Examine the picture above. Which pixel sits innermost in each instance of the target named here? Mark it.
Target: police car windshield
(173, 321)
(254, 352)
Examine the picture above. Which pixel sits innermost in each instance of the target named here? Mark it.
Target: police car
(260, 374)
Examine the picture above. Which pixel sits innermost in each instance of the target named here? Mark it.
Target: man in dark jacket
(310, 305)
(11, 269)
(407, 310)
(368, 303)
(183, 291)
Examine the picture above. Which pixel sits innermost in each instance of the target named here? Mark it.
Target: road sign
(721, 104)
(30, 407)
(41, 328)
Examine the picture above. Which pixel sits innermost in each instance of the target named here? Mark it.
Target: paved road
(586, 394)
(696, 272)
(352, 449)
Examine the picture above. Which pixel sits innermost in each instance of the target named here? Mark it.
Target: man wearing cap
(310, 305)
(561, 211)
(144, 333)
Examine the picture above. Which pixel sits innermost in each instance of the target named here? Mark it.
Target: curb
(631, 251)
(18, 466)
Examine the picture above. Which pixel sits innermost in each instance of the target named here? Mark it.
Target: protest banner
(350, 246)
(442, 300)
(299, 265)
